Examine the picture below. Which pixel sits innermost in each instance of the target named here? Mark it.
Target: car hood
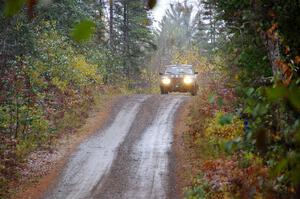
(178, 76)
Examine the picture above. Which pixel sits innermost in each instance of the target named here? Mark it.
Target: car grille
(177, 81)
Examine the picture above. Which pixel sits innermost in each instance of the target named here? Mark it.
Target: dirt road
(128, 158)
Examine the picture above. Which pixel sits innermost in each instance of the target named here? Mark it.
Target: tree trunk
(273, 50)
(126, 41)
(111, 24)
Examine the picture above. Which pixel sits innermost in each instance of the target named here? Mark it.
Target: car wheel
(163, 92)
(194, 92)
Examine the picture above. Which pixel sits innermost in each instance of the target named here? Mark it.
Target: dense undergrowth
(222, 172)
(241, 151)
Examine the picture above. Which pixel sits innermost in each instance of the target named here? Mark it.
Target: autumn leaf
(297, 59)
(271, 31)
(286, 71)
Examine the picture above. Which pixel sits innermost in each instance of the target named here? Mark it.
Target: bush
(198, 190)
(223, 126)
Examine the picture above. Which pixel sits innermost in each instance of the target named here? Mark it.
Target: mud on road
(128, 158)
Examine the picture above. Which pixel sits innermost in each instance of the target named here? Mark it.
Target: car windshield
(179, 71)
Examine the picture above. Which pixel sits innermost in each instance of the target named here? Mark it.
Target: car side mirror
(160, 73)
(196, 73)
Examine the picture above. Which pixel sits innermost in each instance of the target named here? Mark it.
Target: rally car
(178, 78)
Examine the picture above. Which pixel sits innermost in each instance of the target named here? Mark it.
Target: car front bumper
(178, 87)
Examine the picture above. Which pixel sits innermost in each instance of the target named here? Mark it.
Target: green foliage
(211, 99)
(83, 30)
(225, 119)
(272, 112)
(61, 63)
(252, 61)
(131, 40)
(275, 94)
(198, 190)
(292, 94)
(11, 7)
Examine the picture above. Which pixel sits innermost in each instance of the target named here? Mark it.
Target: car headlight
(166, 81)
(188, 80)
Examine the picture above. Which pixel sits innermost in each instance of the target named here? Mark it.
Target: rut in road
(128, 158)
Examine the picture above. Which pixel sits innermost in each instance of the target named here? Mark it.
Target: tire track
(150, 179)
(141, 169)
(94, 157)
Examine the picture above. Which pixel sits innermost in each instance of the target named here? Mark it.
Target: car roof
(179, 65)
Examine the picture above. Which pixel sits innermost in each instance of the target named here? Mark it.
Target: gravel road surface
(129, 158)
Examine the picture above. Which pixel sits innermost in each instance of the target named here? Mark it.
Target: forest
(58, 58)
